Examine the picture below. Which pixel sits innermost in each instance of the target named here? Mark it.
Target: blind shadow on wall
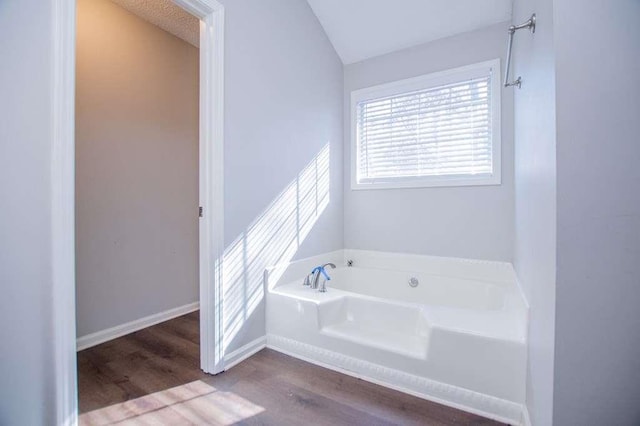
(273, 238)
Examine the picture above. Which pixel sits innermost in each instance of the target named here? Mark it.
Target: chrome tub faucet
(312, 280)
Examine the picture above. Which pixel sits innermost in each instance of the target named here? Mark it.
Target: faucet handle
(307, 281)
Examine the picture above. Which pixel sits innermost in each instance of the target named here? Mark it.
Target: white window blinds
(441, 132)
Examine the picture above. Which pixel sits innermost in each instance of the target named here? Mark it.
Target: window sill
(427, 183)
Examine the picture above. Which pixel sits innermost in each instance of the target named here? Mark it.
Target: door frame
(211, 195)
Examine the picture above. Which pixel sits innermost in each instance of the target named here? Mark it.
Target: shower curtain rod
(529, 24)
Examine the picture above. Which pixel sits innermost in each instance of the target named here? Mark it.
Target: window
(440, 129)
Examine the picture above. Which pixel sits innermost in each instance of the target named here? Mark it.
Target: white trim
(429, 182)
(99, 337)
(441, 393)
(211, 14)
(236, 357)
(62, 211)
(421, 82)
(63, 37)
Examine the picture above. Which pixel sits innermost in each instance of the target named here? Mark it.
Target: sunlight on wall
(273, 238)
(191, 403)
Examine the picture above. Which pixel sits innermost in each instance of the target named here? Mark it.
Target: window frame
(423, 82)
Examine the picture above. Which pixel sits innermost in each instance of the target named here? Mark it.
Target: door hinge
(200, 211)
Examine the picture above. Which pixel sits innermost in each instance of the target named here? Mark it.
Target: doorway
(136, 167)
(210, 229)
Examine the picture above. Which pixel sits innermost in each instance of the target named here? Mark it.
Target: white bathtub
(459, 337)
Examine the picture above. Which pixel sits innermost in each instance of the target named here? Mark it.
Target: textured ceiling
(361, 29)
(166, 15)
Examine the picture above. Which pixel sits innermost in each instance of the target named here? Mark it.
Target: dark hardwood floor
(152, 377)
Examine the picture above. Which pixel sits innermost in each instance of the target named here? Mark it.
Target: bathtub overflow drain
(413, 282)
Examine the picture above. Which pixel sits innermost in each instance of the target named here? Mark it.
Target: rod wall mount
(529, 24)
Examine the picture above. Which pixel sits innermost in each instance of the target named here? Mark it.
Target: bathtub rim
(493, 271)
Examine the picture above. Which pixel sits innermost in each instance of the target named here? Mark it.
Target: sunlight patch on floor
(191, 403)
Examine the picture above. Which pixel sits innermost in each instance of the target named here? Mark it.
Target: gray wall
(283, 94)
(26, 362)
(597, 357)
(535, 196)
(470, 222)
(136, 168)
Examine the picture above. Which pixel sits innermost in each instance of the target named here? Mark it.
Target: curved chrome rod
(529, 24)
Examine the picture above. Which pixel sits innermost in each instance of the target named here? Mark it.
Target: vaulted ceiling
(358, 29)
(361, 29)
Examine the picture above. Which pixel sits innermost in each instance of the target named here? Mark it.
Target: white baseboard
(96, 338)
(233, 358)
(441, 393)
